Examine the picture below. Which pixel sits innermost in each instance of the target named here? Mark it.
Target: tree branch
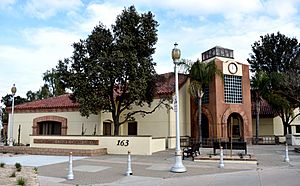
(129, 115)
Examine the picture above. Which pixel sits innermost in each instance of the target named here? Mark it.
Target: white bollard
(221, 164)
(129, 171)
(70, 172)
(286, 158)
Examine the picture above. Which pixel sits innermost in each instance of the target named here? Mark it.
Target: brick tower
(226, 104)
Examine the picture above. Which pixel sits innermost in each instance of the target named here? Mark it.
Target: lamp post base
(178, 167)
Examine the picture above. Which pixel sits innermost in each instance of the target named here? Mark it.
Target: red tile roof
(165, 86)
(166, 83)
(58, 102)
(265, 109)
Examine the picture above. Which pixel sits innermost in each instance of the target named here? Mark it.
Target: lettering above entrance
(49, 125)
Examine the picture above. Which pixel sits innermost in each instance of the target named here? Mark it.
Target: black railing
(187, 141)
(266, 140)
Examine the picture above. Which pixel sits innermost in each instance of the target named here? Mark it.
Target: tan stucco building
(226, 110)
(60, 116)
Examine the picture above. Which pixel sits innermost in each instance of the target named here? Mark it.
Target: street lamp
(11, 121)
(178, 167)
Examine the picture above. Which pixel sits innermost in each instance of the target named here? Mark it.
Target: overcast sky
(35, 34)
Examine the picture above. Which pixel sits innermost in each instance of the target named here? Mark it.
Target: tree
(53, 81)
(53, 86)
(113, 70)
(278, 56)
(7, 101)
(43, 93)
(259, 84)
(201, 74)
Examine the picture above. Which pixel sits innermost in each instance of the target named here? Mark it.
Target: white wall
(161, 123)
(138, 145)
(74, 123)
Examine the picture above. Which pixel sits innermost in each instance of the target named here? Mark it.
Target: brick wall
(52, 151)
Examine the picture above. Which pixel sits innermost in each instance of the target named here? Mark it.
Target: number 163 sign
(123, 143)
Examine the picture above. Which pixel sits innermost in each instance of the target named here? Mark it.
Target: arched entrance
(235, 127)
(204, 127)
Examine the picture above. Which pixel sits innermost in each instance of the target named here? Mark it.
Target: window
(132, 128)
(106, 128)
(297, 128)
(205, 98)
(233, 89)
(49, 128)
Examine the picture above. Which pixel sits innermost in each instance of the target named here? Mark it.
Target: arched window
(49, 125)
(49, 128)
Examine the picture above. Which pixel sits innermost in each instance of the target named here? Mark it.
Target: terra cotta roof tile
(165, 86)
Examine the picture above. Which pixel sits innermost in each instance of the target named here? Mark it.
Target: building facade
(226, 111)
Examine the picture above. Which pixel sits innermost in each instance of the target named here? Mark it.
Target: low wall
(52, 151)
(140, 145)
(158, 144)
(171, 142)
(137, 145)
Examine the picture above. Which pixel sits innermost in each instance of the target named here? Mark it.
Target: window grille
(233, 89)
(205, 96)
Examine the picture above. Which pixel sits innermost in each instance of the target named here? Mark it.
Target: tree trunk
(116, 128)
(200, 95)
(289, 129)
(257, 120)
(199, 119)
(116, 124)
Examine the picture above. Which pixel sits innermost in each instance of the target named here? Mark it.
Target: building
(59, 116)
(270, 124)
(226, 112)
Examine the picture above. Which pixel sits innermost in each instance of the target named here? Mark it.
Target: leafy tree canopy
(53, 82)
(277, 56)
(53, 86)
(113, 69)
(274, 53)
(7, 101)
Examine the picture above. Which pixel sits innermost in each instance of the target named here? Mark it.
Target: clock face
(232, 67)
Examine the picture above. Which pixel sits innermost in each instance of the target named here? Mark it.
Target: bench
(191, 151)
(237, 145)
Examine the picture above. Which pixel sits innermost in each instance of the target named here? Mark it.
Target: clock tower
(226, 103)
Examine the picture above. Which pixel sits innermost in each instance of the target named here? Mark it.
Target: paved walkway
(155, 170)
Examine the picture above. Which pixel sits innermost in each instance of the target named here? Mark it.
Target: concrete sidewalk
(155, 169)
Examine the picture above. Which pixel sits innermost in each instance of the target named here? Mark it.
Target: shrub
(2, 164)
(18, 167)
(21, 181)
(35, 170)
